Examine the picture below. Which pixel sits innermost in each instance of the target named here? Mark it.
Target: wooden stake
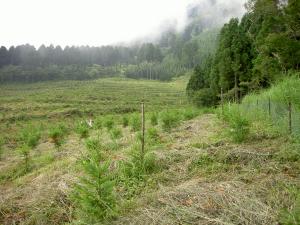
(269, 106)
(222, 103)
(235, 89)
(290, 117)
(143, 131)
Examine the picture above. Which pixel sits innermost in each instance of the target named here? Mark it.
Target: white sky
(84, 22)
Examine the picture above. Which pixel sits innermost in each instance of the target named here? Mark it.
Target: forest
(171, 54)
(252, 53)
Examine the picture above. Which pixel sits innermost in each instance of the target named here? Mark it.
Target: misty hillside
(195, 123)
(174, 52)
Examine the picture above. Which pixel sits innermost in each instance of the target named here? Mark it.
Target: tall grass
(267, 112)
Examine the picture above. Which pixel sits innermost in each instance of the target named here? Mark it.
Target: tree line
(252, 53)
(172, 54)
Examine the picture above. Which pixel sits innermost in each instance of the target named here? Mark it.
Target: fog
(103, 22)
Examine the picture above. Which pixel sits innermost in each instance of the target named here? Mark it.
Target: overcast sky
(88, 22)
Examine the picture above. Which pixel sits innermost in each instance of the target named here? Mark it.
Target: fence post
(269, 106)
(143, 131)
(222, 101)
(290, 117)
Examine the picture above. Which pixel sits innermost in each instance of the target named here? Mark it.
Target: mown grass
(51, 122)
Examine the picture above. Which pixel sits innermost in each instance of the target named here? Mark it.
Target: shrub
(109, 123)
(239, 129)
(169, 120)
(30, 136)
(94, 194)
(154, 119)
(125, 121)
(82, 129)
(135, 122)
(239, 126)
(204, 97)
(57, 134)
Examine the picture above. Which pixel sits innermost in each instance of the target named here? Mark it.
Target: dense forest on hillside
(253, 53)
(172, 53)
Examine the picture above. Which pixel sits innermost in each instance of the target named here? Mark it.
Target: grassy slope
(210, 180)
(206, 178)
(39, 195)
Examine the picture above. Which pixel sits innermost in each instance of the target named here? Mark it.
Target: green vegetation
(252, 53)
(57, 134)
(153, 135)
(30, 136)
(170, 119)
(98, 123)
(115, 133)
(82, 129)
(235, 164)
(154, 119)
(109, 123)
(94, 194)
(125, 121)
(24, 151)
(135, 122)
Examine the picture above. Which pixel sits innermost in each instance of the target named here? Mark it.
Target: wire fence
(284, 116)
